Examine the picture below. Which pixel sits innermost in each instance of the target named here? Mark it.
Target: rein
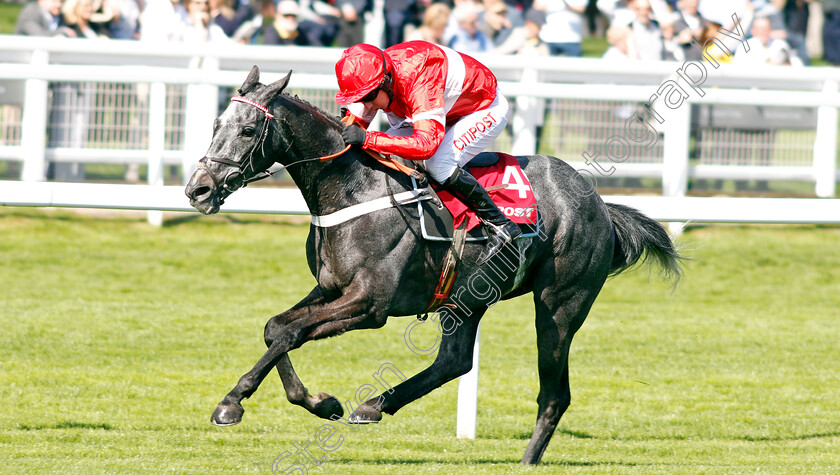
(235, 179)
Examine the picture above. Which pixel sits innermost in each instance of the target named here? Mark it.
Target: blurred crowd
(635, 29)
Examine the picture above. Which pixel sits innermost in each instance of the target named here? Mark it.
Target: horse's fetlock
(296, 396)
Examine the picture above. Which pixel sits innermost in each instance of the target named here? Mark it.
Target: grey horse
(378, 265)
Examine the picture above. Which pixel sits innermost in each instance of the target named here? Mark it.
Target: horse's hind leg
(454, 358)
(556, 325)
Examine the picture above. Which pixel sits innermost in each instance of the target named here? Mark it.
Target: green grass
(8, 16)
(120, 338)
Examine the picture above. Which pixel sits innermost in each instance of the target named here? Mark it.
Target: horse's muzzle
(203, 192)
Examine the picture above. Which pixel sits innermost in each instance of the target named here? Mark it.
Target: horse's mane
(306, 104)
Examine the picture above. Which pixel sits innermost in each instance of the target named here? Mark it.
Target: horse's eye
(247, 131)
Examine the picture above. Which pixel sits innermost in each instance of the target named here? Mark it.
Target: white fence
(29, 65)
(798, 96)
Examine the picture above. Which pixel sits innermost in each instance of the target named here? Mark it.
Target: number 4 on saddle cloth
(501, 175)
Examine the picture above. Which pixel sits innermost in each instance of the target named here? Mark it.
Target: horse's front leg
(285, 332)
(322, 404)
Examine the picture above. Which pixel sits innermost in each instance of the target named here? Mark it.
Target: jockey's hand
(353, 135)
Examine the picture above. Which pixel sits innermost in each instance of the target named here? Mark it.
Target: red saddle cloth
(507, 185)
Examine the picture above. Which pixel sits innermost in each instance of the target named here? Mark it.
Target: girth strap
(451, 263)
(390, 201)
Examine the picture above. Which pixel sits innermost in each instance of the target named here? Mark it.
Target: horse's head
(237, 152)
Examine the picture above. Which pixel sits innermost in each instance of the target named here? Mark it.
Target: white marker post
(468, 396)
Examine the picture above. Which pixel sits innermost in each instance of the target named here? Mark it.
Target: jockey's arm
(421, 145)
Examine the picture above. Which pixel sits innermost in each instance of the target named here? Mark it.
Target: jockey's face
(380, 102)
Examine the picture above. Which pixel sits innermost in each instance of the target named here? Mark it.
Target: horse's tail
(639, 237)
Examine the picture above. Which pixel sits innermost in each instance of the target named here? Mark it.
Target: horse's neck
(331, 185)
(344, 181)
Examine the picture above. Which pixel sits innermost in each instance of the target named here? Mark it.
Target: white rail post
(825, 145)
(468, 397)
(675, 162)
(525, 118)
(157, 139)
(34, 123)
(201, 110)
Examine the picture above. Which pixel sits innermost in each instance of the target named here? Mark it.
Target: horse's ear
(252, 79)
(274, 89)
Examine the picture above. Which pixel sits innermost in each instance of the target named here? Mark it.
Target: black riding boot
(502, 230)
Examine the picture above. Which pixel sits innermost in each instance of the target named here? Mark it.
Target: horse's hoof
(365, 414)
(327, 407)
(227, 414)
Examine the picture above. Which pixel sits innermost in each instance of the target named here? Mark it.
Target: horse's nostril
(201, 193)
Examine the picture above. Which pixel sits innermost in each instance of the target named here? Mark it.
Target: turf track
(119, 339)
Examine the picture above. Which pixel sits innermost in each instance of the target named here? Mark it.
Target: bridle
(235, 177)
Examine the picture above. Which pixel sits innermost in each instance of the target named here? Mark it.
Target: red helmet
(360, 70)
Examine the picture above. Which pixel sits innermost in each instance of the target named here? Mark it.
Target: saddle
(443, 217)
(507, 184)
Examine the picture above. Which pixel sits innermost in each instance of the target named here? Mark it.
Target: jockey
(443, 107)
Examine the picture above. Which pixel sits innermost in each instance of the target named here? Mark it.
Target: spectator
(227, 17)
(762, 48)
(125, 25)
(326, 15)
(520, 5)
(713, 50)
(73, 101)
(647, 35)
(795, 14)
(525, 40)
(77, 14)
(467, 38)
(496, 22)
(769, 10)
(620, 45)
(688, 26)
(162, 20)
(452, 27)
(351, 25)
(721, 13)
(126, 22)
(563, 32)
(41, 18)
(831, 31)
(287, 28)
(620, 13)
(103, 14)
(434, 24)
(398, 14)
(198, 27)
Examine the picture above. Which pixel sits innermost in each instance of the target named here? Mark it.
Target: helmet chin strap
(387, 80)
